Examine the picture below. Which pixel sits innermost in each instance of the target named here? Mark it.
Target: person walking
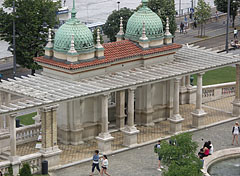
(104, 166)
(181, 27)
(235, 133)
(235, 32)
(157, 148)
(95, 162)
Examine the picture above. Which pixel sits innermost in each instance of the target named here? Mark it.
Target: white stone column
(191, 91)
(183, 91)
(199, 113)
(12, 128)
(120, 109)
(130, 131)
(50, 150)
(236, 102)
(176, 119)
(187, 81)
(104, 139)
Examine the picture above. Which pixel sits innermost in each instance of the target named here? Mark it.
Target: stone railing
(28, 133)
(217, 91)
(4, 166)
(34, 160)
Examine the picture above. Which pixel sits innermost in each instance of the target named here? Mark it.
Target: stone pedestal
(175, 124)
(236, 108)
(15, 162)
(198, 118)
(52, 155)
(104, 142)
(145, 117)
(130, 136)
(76, 136)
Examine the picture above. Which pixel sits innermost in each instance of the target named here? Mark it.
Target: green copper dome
(153, 24)
(83, 38)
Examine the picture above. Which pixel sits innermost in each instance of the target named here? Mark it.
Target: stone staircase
(4, 156)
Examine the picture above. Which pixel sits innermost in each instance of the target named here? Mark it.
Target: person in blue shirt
(95, 162)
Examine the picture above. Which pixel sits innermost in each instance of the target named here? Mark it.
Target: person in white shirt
(211, 149)
(235, 132)
(235, 32)
(104, 165)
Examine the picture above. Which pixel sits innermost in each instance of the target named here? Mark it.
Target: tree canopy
(164, 9)
(203, 13)
(30, 18)
(180, 158)
(222, 5)
(111, 27)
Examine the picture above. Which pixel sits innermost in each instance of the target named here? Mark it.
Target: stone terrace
(217, 111)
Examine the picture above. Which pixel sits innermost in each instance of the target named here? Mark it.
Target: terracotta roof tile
(113, 51)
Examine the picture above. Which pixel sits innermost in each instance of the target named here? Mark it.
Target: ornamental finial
(167, 32)
(120, 33)
(72, 48)
(49, 44)
(144, 2)
(98, 45)
(144, 37)
(74, 12)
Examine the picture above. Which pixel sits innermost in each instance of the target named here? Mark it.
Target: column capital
(49, 108)
(106, 94)
(177, 79)
(13, 115)
(201, 73)
(132, 88)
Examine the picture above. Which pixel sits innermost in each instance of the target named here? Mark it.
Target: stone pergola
(45, 93)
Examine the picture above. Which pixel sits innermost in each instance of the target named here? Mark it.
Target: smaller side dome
(153, 24)
(83, 38)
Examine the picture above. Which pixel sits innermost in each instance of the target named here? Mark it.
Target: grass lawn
(221, 75)
(27, 119)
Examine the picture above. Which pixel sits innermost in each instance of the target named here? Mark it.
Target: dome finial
(144, 2)
(121, 27)
(72, 48)
(167, 32)
(98, 39)
(144, 37)
(74, 12)
(49, 44)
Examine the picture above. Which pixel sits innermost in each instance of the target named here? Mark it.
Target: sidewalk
(211, 30)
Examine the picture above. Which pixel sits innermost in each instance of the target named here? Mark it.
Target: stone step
(2, 157)
(6, 153)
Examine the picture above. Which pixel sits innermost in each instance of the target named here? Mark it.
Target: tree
(222, 5)
(164, 9)
(25, 170)
(180, 157)
(203, 13)
(30, 18)
(111, 27)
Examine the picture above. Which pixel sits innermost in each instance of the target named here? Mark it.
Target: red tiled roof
(113, 51)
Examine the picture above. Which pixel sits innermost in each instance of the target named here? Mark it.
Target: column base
(130, 136)
(175, 124)
(52, 155)
(236, 108)
(15, 162)
(144, 117)
(105, 142)
(198, 118)
(183, 95)
(191, 98)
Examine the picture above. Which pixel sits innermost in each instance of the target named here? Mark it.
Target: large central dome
(153, 24)
(83, 38)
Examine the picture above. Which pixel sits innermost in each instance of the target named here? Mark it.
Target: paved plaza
(142, 161)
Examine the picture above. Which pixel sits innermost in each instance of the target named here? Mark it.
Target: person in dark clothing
(95, 162)
(181, 27)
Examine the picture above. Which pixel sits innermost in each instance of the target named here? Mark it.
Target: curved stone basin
(222, 157)
(228, 167)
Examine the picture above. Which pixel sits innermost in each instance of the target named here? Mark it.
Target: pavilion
(84, 86)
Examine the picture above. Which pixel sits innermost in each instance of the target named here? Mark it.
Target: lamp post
(180, 3)
(118, 5)
(228, 15)
(14, 41)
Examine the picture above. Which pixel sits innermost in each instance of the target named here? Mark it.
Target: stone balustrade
(34, 160)
(217, 91)
(28, 133)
